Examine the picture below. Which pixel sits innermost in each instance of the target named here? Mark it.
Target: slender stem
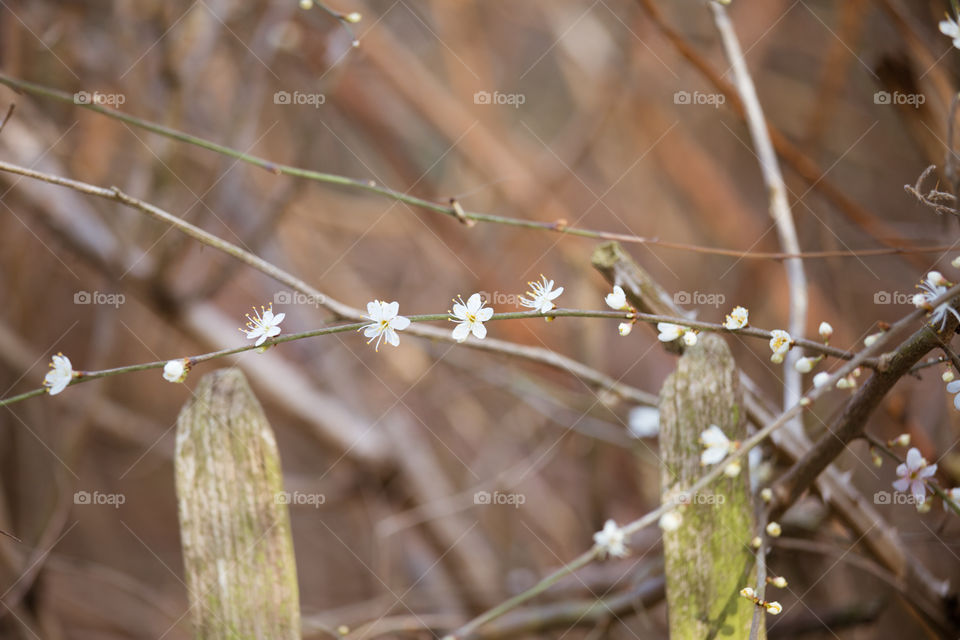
(449, 208)
(777, 189)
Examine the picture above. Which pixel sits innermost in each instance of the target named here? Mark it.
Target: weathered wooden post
(234, 524)
(708, 559)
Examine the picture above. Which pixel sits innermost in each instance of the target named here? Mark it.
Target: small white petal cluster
(263, 325)
(542, 295)
(617, 300)
(384, 323)
(738, 319)
(470, 318)
(611, 540)
(934, 286)
(176, 370)
(60, 374)
(913, 474)
(780, 342)
(826, 331)
(716, 445)
(951, 28)
(644, 422)
(670, 521)
(670, 332)
(954, 387)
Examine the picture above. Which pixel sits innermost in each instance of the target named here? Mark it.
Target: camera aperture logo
(885, 497)
(702, 498)
(511, 99)
(299, 97)
(893, 297)
(715, 300)
(103, 99)
(499, 497)
(699, 98)
(299, 498)
(296, 297)
(899, 98)
(97, 498)
(98, 297)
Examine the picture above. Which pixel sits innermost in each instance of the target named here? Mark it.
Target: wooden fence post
(708, 559)
(234, 524)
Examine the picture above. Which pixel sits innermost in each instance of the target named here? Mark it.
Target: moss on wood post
(708, 559)
(234, 524)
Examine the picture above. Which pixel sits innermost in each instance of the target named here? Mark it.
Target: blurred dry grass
(599, 142)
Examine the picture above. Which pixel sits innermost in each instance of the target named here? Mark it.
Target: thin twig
(452, 209)
(779, 206)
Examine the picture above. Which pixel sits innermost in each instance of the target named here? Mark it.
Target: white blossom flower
(617, 300)
(933, 287)
(470, 317)
(954, 495)
(670, 332)
(176, 370)
(820, 379)
(611, 540)
(263, 325)
(541, 295)
(913, 473)
(774, 529)
(826, 331)
(951, 29)
(644, 422)
(385, 323)
(670, 521)
(624, 328)
(902, 440)
(733, 469)
(60, 374)
(779, 344)
(738, 319)
(954, 387)
(716, 444)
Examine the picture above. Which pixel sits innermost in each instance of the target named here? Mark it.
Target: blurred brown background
(602, 140)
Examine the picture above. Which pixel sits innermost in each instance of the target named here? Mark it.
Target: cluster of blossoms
(932, 287)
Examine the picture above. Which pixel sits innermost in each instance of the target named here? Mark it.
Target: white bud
(779, 582)
(625, 328)
(732, 470)
(306, 4)
(766, 494)
(774, 529)
(870, 339)
(820, 379)
(825, 330)
(956, 262)
(670, 521)
(748, 592)
(947, 376)
(353, 18)
(919, 300)
(774, 608)
(805, 365)
(777, 358)
(936, 278)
